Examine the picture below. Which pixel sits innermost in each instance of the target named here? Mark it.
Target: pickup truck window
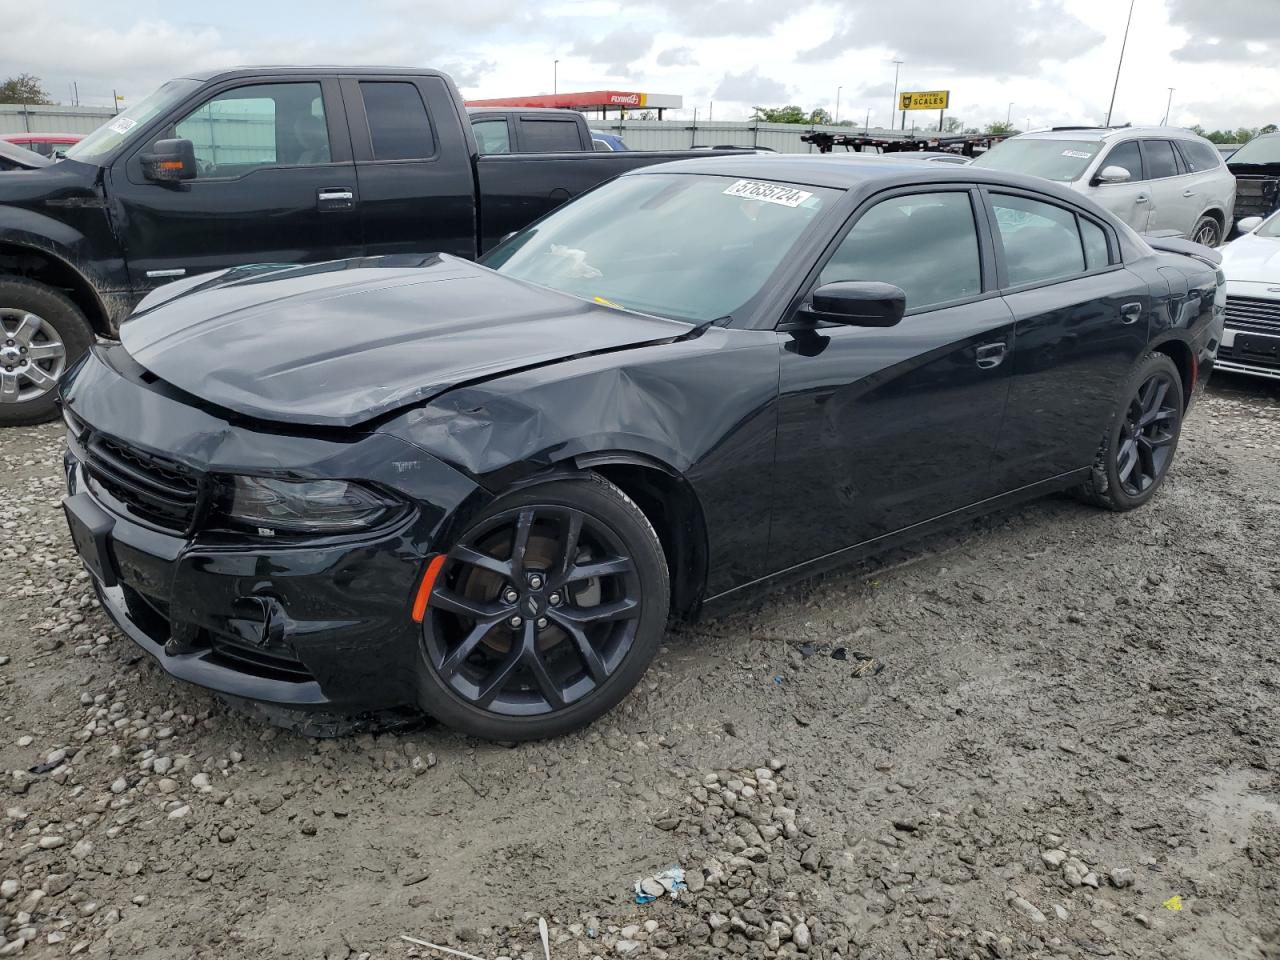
(549, 136)
(264, 125)
(97, 146)
(492, 135)
(398, 122)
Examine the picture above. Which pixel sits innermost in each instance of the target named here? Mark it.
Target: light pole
(555, 76)
(867, 129)
(1123, 43)
(1167, 107)
(1008, 117)
(897, 65)
(836, 118)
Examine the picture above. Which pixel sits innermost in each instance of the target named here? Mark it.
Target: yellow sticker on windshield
(607, 303)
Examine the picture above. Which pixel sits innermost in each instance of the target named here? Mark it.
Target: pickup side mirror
(1112, 174)
(1249, 224)
(170, 161)
(857, 303)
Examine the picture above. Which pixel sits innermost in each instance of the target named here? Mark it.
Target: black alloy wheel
(1139, 447)
(1147, 434)
(546, 612)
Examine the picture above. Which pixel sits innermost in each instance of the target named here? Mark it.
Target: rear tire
(34, 353)
(534, 634)
(1207, 231)
(1141, 440)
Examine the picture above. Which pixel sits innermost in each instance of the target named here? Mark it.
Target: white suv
(1162, 181)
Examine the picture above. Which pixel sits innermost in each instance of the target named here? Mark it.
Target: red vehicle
(45, 144)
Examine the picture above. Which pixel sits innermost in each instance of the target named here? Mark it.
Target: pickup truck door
(413, 165)
(276, 184)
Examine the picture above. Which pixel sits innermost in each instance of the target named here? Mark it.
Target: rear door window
(399, 127)
(1041, 240)
(548, 136)
(1161, 162)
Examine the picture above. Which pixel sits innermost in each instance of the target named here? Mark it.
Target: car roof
(559, 111)
(280, 70)
(1109, 133)
(854, 172)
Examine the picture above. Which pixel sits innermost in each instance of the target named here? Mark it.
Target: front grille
(156, 490)
(1253, 313)
(1256, 196)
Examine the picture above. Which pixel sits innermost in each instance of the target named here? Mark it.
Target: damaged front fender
(664, 404)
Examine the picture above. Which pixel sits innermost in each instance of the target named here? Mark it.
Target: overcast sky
(1054, 59)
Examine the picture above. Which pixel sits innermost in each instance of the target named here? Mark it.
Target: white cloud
(1055, 59)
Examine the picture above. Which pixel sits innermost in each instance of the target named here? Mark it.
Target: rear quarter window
(1200, 156)
(548, 136)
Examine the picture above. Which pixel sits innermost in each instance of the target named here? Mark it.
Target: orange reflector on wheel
(425, 587)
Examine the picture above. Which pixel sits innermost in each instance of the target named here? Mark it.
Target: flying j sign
(925, 100)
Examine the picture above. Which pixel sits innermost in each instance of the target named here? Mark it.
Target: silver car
(1162, 181)
(1251, 340)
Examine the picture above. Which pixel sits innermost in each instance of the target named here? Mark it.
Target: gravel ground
(1038, 737)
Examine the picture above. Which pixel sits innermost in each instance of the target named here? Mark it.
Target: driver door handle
(1140, 200)
(1188, 193)
(335, 198)
(990, 355)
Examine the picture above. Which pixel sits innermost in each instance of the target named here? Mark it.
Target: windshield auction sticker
(122, 124)
(1077, 154)
(768, 192)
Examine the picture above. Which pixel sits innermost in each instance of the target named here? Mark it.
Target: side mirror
(1113, 174)
(858, 303)
(1249, 224)
(170, 161)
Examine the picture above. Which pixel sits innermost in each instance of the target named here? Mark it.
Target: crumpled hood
(336, 344)
(1252, 259)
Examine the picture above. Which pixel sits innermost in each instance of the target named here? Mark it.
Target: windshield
(688, 247)
(122, 128)
(1061, 160)
(1258, 150)
(1270, 227)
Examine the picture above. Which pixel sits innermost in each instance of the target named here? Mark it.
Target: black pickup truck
(264, 165)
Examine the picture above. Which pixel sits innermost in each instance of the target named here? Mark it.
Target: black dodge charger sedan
(482, 490)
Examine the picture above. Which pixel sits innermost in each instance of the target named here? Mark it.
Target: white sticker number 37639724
(768, 192)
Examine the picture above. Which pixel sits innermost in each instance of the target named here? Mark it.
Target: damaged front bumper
(318, 622)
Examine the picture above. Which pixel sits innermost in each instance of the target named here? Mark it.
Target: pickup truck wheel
(1207, 232)
(41, 334)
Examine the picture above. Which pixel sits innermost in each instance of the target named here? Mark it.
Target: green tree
(24, 88)
(788, 114)
(953, 125)
(820, 117)
(1000, 128)
(1269, 128)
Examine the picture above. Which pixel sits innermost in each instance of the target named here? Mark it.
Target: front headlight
(302, 506)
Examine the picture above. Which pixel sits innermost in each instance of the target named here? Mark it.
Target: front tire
(1140, 443)
(546, 613)
(41, 334)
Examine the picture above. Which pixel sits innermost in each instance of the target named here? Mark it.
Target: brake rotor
(540, 554)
